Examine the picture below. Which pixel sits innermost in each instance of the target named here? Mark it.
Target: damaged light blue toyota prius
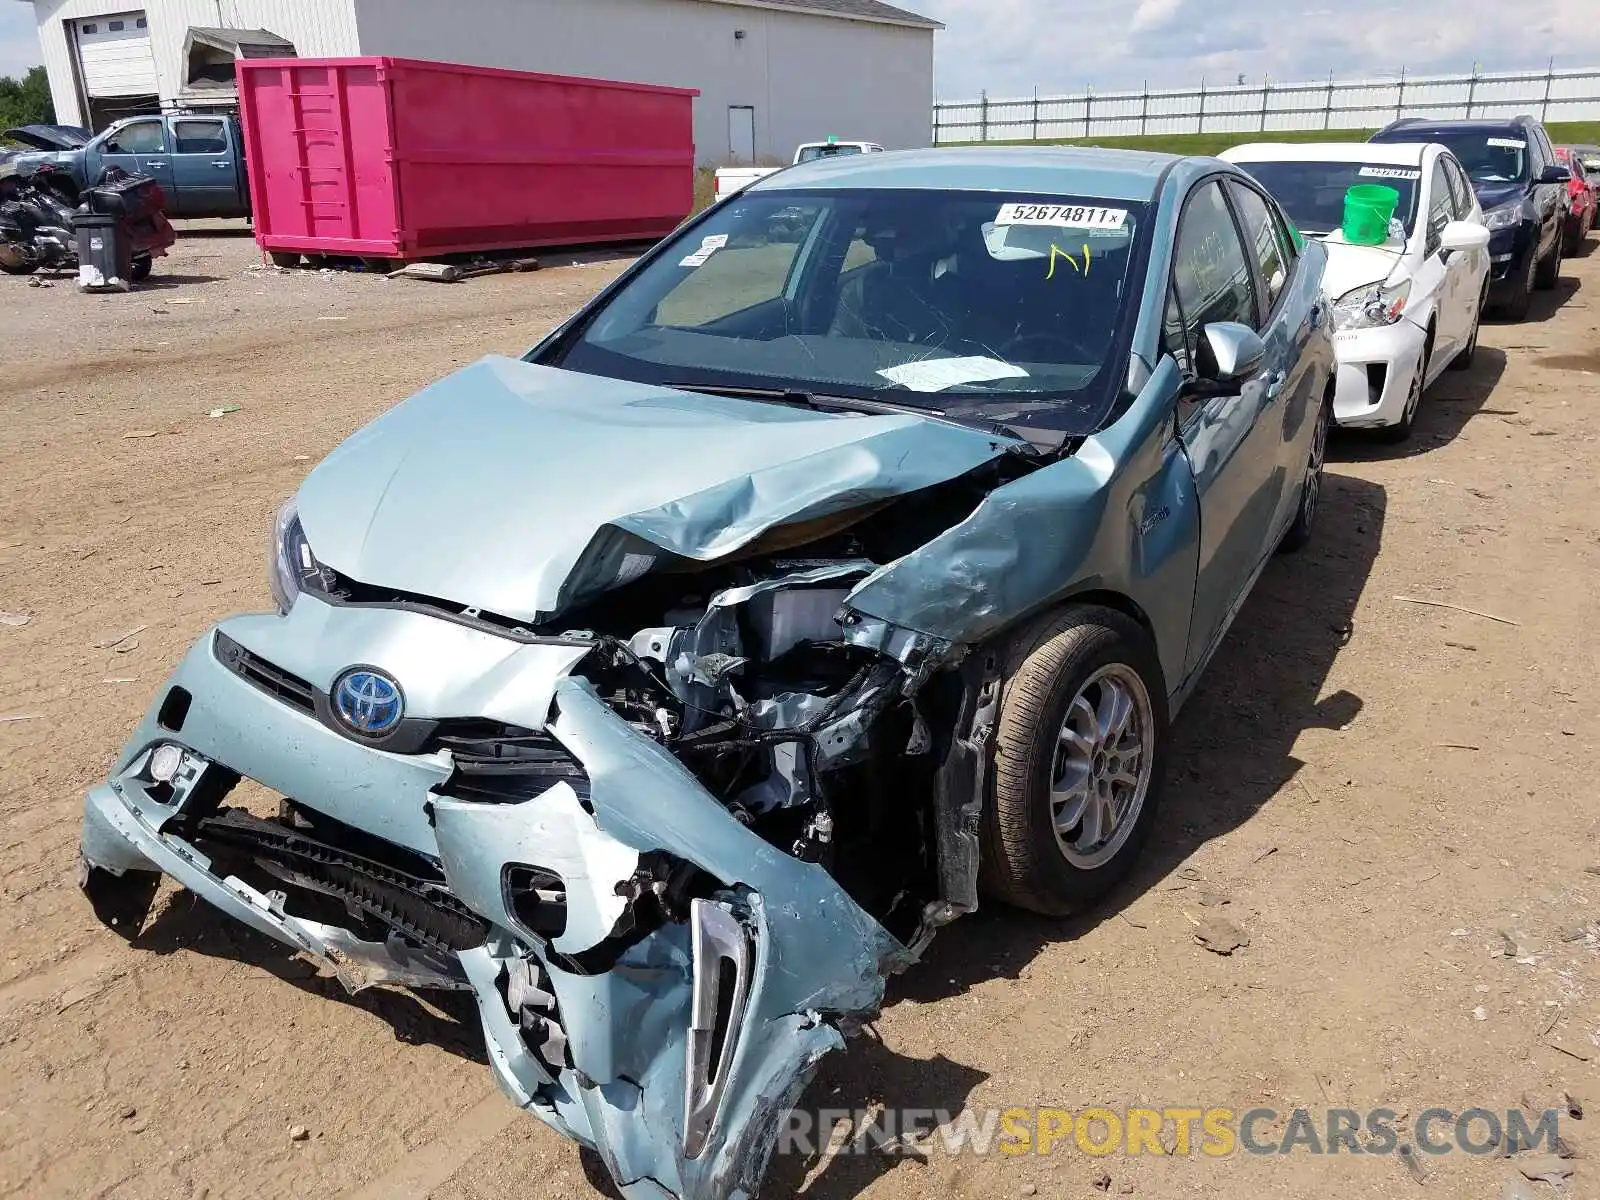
(668, 689)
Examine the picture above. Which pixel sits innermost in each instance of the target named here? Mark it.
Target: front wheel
(1305, 517)
(1401, 430)
(1515, 306)
(1469, 352)
(1080, 748)
(1550, 269)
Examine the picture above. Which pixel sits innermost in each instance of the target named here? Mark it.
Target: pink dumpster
(393, 158)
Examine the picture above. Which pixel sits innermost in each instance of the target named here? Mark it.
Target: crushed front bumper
(674, 1059)
(1375, 369)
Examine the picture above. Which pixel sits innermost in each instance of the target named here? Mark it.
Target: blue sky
(1009, 46)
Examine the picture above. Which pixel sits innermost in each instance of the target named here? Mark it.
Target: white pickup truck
(736, 179)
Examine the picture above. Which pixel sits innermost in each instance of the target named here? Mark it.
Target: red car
(1581, 201)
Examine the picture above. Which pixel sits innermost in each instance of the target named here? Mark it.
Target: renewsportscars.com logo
(1210, 1132)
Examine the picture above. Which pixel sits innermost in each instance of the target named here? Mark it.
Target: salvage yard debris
(436, 272)
(111, 643)
(1457, 608)
(1218, 934)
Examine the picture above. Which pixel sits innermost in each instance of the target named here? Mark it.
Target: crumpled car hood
(489, 487)
(1351, 266)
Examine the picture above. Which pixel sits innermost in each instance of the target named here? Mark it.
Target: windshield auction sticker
(1062, 216)
(936, 374)
(1507, 143)
(1390, 173)
(708, 246)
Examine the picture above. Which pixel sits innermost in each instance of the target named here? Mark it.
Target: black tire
(1298, 536)
(1463, 361)
(1549, 272)
(142, 266)
(284, 258)
(1076, 650)
(1515, 306)
(1572, 237)
(1402, 429)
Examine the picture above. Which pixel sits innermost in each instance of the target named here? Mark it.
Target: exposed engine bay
(819, 731)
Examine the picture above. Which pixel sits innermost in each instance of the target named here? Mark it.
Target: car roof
(1393, 154)
(1414, 125)
(1128, 175)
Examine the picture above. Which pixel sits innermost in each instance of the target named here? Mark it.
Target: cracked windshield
(915, 297)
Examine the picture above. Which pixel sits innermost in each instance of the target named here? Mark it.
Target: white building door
(114, 55)
(741, 133)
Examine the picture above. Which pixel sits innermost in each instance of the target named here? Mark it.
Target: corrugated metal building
(771, 73)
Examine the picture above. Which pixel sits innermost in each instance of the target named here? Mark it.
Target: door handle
(154, 163)
(222, 166)
(1275, 383)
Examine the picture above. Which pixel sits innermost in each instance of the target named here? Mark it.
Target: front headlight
(291, 567)
(1503, 217)
(1370, 307)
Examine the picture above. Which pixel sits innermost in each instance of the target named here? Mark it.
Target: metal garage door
(114, 55)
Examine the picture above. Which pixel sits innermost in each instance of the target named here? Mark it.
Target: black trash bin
(105, 257)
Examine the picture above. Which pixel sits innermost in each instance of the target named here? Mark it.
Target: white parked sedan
(1404, 310)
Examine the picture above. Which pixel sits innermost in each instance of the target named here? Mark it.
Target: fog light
(166, 762)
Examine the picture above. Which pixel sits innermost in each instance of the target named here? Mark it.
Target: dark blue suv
(1522, 188)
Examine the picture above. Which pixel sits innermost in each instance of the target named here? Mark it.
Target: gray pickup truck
(198, 159)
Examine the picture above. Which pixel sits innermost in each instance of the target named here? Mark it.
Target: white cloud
(1153, 14)
(1009, 47)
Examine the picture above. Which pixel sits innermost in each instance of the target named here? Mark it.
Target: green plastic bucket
(1368, 208)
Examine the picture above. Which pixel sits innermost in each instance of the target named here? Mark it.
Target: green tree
(26, 101)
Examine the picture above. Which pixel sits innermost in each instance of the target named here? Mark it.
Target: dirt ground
(1381, 790)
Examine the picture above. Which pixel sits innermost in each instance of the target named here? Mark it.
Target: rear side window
(200, 137)
(1265, 238)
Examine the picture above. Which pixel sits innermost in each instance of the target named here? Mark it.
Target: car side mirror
(1464, 235)
(1229, 352)
(1555, 173)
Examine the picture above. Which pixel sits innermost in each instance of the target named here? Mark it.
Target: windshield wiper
(795, 396)
(845, 404)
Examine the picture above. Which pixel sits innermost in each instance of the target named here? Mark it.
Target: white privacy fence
(1256, 108)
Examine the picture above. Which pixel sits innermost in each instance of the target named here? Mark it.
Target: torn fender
(1121, 515)
(495, 484)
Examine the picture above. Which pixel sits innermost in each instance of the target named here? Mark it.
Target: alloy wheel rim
(1319, 457)
(1101, 772)
(1414, 396)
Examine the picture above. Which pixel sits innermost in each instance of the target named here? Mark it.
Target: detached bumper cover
(615, 1065)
